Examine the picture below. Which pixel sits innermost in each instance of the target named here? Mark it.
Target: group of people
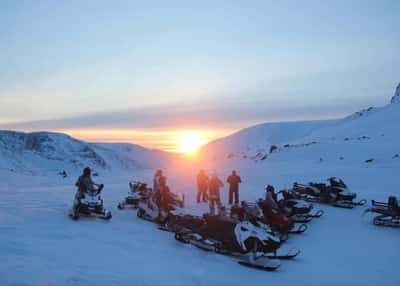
(208, 189)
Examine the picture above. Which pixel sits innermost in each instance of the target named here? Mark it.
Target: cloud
(226, 113)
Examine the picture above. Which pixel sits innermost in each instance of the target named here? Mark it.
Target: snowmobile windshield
(246, 230)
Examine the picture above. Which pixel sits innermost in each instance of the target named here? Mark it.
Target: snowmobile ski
(261, 263)
(385, 220)
(301, 218)
(106, 215)
(318, 214)
(300, 229)
(292, 253)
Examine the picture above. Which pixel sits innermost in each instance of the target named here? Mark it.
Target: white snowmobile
(90, 204)
(138, 191)
(255, 245)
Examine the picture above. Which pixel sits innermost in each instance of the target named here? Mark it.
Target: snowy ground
(40, 245)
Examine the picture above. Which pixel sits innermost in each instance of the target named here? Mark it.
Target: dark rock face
(396, 97)
(272, 148)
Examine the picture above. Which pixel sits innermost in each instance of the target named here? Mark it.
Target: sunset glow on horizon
(186, 141)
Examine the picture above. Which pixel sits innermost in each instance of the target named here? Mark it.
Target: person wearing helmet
(162, 195)
(214, 195)
(156, 180)
(85, 184)
(234, 180)
(270, 197)
(202, 185)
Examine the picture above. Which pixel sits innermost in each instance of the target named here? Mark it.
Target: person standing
(271, 198)
(202, 185)
(156, 180)
(162, 193)
(214, 195)
(234, 180)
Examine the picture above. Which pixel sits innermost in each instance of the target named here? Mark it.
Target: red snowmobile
(260, 211)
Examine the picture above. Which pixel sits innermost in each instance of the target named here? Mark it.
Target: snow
(40, 245)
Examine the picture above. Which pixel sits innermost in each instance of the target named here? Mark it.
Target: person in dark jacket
(234, 180)
(214, 195)
(162, 196)
(156, 180)
(85, 184)
(202, 185)
(271, 198)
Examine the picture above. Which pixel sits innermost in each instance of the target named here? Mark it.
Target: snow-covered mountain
(372, 133)
(42, 152)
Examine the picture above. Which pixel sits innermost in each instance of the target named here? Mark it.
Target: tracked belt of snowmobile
(340, 204)
(216, 246)
(262, 262)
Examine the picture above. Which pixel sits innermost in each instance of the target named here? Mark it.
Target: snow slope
(47, 152)
(40, 245)
(370, 133)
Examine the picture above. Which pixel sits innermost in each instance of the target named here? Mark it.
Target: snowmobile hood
(245, 230)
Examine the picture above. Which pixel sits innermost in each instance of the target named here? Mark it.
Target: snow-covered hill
(370, 133)
(44, 152)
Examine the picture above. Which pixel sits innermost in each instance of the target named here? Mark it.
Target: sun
(190, 141)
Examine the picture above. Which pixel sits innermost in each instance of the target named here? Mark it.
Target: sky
(149, 72)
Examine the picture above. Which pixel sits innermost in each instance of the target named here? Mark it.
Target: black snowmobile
(253, 243)
(274, 218)
(297, 210)
(90, 204)
(334, 193)
(138, 191)
(389, 213)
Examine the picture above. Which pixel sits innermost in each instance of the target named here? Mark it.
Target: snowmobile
(90, 204)
(254, 244)
(389, 213)
(297, 210)
(138, 191)
(149, 208)
(274, 218)
(335, 193)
